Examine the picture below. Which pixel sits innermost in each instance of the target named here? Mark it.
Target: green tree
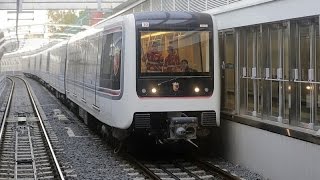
(61, 17)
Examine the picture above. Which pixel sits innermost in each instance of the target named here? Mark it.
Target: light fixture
(196, 89)
(154, 90)
(308, 87)
(143, 90)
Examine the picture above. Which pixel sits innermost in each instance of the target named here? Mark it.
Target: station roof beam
(58, 4)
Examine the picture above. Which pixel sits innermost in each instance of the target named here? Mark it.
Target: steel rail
(7, 109)
(213, 169)
(142, 167)
(57, 165)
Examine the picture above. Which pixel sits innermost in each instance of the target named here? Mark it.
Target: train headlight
(154, 90)
(196, 89)
(206, 89)
(143, 90)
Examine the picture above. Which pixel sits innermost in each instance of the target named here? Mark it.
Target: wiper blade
(159, 84)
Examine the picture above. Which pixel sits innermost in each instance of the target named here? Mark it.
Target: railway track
(182, 169)
(25, 149)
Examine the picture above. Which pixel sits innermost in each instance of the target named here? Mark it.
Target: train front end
(177, 81)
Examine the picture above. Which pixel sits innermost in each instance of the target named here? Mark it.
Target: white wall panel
(272, 155)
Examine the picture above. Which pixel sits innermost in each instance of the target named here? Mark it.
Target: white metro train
(151, 73)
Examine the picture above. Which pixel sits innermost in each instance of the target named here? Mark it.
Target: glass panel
(317, 48)
(279, 61)
(175, 53)
(286, 72)
(250, 83)
(265, 68)
(228, 74)
(305, 88)
(249, 56)
(293, 88)
(259, 69)
(242, 56)
(111, 61)
(275, 61)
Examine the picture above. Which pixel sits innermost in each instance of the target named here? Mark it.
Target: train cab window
(111, 61)
(166, 53)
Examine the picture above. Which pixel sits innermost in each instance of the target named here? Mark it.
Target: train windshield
(175, 53)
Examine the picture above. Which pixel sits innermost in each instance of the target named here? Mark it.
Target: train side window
(111, 61)
(105, 61)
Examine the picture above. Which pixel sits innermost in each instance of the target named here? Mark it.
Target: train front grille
(142, 120)
(208, 119)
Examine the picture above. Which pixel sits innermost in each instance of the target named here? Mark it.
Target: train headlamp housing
(154, 90)
(196, 89)
(174, 87)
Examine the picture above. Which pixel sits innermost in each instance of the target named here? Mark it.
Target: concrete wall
(272, 155)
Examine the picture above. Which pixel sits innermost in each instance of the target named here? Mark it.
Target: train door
(78, 74)
(48, 67)
(83, 62)
(74, 65)
(90, 75)
(69, 70)
(96, 104)
(227, 53)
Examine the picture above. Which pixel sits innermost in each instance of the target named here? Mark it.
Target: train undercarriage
(163, 127)
(169, 127)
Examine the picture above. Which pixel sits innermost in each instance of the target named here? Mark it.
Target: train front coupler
(182, 127)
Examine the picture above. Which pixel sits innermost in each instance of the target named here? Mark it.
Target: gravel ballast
(88, 155)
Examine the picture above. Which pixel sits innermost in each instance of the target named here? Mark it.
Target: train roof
(164, 20)
(164, 17)
(60, 44)
(109, 21)
(84, 34)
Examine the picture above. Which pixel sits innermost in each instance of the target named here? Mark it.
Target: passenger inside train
(172, 61)
(153, 59)
(185, 66)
